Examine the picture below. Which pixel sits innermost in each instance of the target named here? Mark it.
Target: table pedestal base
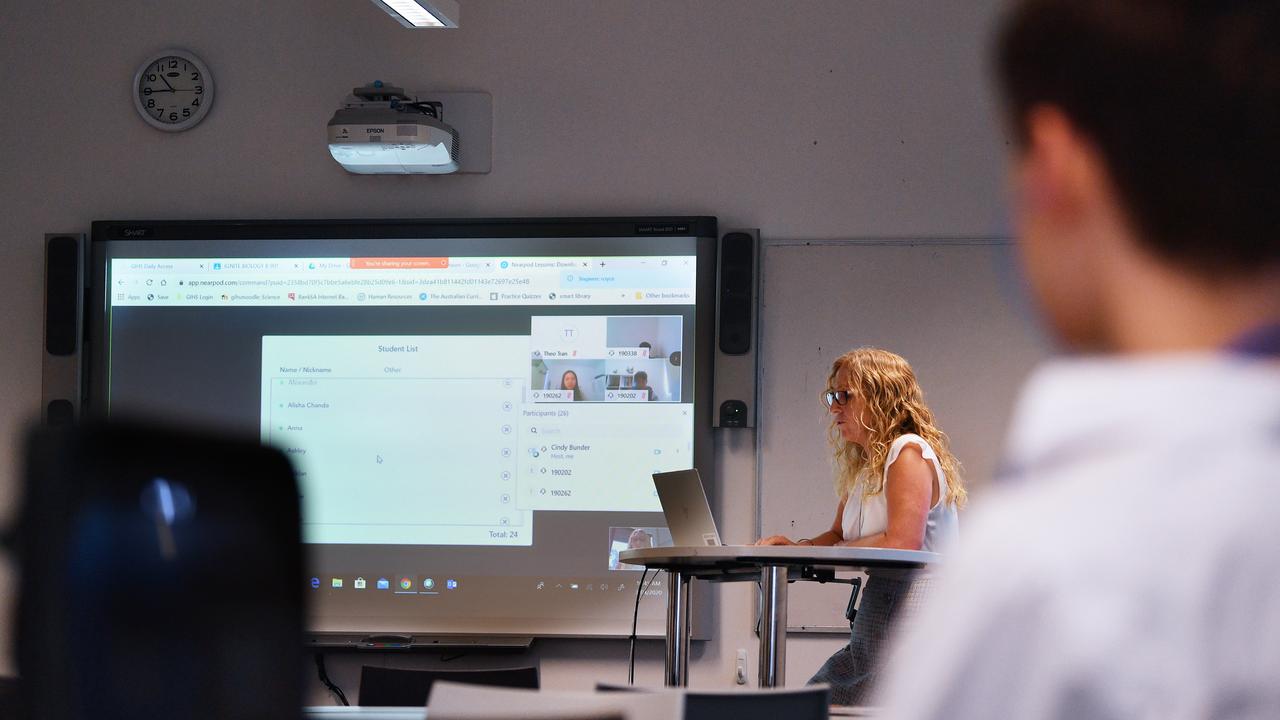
(773, 626)
(677, 672)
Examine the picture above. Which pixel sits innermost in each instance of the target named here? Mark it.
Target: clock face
(173, 90)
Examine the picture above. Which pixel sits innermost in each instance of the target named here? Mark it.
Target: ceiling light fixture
(422, 13)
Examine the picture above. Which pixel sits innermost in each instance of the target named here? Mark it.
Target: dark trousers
(853, 670)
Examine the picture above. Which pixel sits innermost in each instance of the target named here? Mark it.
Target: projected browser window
(468, 394)
(404, 281)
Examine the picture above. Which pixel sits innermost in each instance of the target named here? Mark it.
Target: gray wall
(810, 120)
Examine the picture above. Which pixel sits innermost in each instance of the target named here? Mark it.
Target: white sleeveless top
(871, 516)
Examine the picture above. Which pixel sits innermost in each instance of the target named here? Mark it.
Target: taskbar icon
(397, 584)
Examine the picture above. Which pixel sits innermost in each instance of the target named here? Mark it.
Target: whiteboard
(953, 308)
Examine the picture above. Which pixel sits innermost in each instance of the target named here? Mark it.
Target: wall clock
(173, 90)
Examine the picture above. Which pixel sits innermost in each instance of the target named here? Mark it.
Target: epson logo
(374, 130)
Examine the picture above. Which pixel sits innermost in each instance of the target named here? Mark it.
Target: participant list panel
(400, 439)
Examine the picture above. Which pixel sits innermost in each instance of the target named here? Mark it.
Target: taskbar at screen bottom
(445, 603)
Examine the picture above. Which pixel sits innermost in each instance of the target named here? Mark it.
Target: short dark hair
(642, 374)
(1182, 98)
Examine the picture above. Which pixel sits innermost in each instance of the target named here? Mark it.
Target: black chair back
(808, 703)
(161, 576)
(380, 686)
(812, 702)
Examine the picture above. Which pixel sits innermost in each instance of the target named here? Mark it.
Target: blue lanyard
(1263, 340)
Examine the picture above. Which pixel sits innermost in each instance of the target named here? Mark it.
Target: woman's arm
(830, 537)
(909, 495)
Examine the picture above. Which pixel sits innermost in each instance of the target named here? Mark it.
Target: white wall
(811, 120)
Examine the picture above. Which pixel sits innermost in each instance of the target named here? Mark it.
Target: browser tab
(401, 263)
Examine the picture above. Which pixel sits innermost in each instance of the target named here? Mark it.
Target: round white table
(773, 566)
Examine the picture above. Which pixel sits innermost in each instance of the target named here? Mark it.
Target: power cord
(324, 680)
(635, 620)
(431, 109)
(641, 587)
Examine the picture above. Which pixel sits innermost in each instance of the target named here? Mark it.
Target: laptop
(685, 505)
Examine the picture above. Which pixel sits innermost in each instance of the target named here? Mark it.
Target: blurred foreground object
(161, 576)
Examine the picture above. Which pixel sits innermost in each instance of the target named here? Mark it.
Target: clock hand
(166, 82)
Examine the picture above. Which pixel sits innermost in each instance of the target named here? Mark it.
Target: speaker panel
(738, 280)
(737, 283)
(64, 282)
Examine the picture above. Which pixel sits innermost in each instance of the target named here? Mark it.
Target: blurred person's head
(1147, 167)
(642, 379)
(639, 539)
(873, 398)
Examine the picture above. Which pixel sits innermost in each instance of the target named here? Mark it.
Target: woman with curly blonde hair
(899, 487)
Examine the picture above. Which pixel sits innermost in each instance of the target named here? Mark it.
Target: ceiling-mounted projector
(381, 130)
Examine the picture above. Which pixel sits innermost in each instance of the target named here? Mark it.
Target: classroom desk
(774, 567)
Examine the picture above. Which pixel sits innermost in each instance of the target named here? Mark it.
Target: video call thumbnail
(634, 359)
(658, 335)
(635, 538)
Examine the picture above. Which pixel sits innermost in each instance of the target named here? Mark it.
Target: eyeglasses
(836, 397)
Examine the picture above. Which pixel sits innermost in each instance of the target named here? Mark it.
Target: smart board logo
(136, 232)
